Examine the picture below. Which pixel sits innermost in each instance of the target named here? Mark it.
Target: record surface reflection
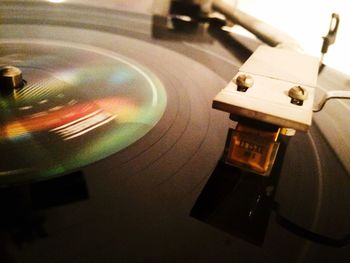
(79, 104)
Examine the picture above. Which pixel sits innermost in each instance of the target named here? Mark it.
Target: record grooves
(133, 202)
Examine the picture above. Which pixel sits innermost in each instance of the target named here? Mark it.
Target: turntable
(111, 150)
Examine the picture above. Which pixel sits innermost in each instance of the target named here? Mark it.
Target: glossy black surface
(136, 205)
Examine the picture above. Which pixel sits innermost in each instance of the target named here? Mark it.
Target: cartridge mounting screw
(244, 82)
(297, 94)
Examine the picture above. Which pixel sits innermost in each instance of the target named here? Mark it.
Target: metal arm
(332, 94)
(262, 30)
(274, 37)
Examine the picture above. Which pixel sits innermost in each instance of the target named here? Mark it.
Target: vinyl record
(126, 190)
(78, 105)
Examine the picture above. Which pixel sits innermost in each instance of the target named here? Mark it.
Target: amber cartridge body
(252, 146)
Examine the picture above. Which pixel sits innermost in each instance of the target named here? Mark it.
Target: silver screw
(244, 82)
(298, 94)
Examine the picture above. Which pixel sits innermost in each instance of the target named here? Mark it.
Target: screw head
(298, 93)
(244, 82)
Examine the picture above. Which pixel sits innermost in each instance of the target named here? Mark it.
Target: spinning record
(79, 104)
(92, 94)
(128, 104)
